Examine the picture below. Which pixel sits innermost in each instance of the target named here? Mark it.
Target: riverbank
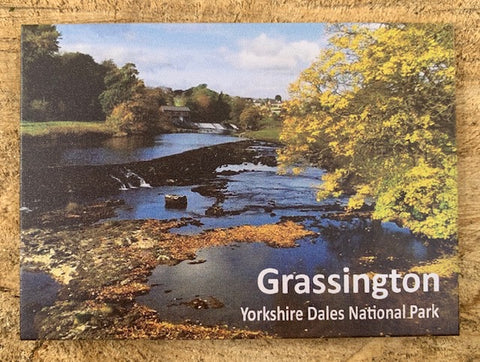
(269, 134)
(70, 132)
(102, 269)
(63, 130)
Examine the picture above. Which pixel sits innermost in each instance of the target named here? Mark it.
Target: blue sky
(249, 60)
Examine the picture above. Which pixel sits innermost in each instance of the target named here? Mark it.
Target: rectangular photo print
(225, 181)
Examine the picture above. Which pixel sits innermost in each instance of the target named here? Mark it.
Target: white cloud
(268, 53)
(258, 67)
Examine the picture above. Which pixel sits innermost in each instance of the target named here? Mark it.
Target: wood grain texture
(464, 14)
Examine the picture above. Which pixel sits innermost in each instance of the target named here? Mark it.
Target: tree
(205, 104)
(38, 41)
(251, 116)
(121, 85)
(238, 104)
(39, 48)
(155, 98)
(58, 87)
(159, 96)
(199, 101)
(376, 109)
(221, 108)
(141, 112)
(136, 115)
(131, 107)
(80, 81)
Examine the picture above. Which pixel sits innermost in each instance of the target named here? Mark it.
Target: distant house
(179, 116)
(276, 108)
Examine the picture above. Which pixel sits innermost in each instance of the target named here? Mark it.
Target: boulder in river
(175, 201)
(215, 210)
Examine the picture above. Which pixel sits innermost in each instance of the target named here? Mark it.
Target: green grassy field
(58, 128)
(62, 128)
(268, 134)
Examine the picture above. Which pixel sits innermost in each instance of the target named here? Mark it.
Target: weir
(130, 180)
(123, 187)
(141, 180)
(52, 187)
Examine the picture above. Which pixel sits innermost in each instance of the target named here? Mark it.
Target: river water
(255, 194)
(38, 290)
(120, 149)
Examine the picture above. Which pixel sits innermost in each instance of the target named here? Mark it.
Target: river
(255, 194)
(118, 150)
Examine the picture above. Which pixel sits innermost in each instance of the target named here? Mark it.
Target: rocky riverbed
(102, 266)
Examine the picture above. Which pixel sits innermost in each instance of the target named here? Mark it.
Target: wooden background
(464, 14)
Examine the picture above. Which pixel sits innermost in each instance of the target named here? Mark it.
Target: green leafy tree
(39, 48)
(376, 109)
(58, 87)
(80, 81)
(38, 41)
(205, 104)
(199, 100)
(132, 108)
(121, 84)
(221, 108)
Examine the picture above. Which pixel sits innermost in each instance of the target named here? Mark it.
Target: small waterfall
(130, 181)
(142, 181)
(123, 187)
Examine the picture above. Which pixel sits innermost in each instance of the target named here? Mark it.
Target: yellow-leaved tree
(376, 110)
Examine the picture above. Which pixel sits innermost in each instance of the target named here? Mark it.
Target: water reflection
(254, 194)
(230, 275)
(120, 149)
(149, 203)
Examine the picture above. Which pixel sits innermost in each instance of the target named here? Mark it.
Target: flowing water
(258, 195)
(213, 289)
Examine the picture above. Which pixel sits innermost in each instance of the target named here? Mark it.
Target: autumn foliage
(376, 110)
